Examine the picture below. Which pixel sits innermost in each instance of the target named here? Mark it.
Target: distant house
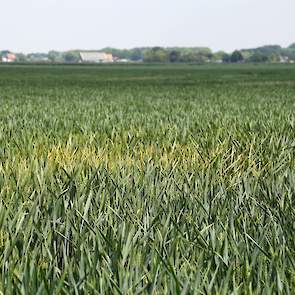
(96, 57)
(7, 56)
(284, 59)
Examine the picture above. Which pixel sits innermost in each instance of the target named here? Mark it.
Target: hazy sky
(41, 25)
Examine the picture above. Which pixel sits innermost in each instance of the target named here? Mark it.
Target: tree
(236, 56)
(156, 54)
(71, 57)
(210, 56)
(258, 57)
(292, 46)
(218, 55)
(200, 57)
(226, 58)
(174, 56)
(136, 54)
(291, 54)
(54, 56)
(269, 49)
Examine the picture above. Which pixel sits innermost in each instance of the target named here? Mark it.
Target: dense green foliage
(236, 56)
(200, 55)
(147, 179)
(270, 53)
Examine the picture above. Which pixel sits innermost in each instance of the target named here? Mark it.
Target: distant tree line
(200, 55)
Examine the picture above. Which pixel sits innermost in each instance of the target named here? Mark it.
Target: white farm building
(96, 57)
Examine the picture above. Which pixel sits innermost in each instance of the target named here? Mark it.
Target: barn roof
(95, 56)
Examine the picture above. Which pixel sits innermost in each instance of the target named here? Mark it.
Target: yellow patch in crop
(114, 156)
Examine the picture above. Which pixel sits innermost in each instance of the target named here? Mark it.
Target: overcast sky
(42, 25)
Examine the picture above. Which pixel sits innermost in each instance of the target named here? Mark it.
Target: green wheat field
(147, 179)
